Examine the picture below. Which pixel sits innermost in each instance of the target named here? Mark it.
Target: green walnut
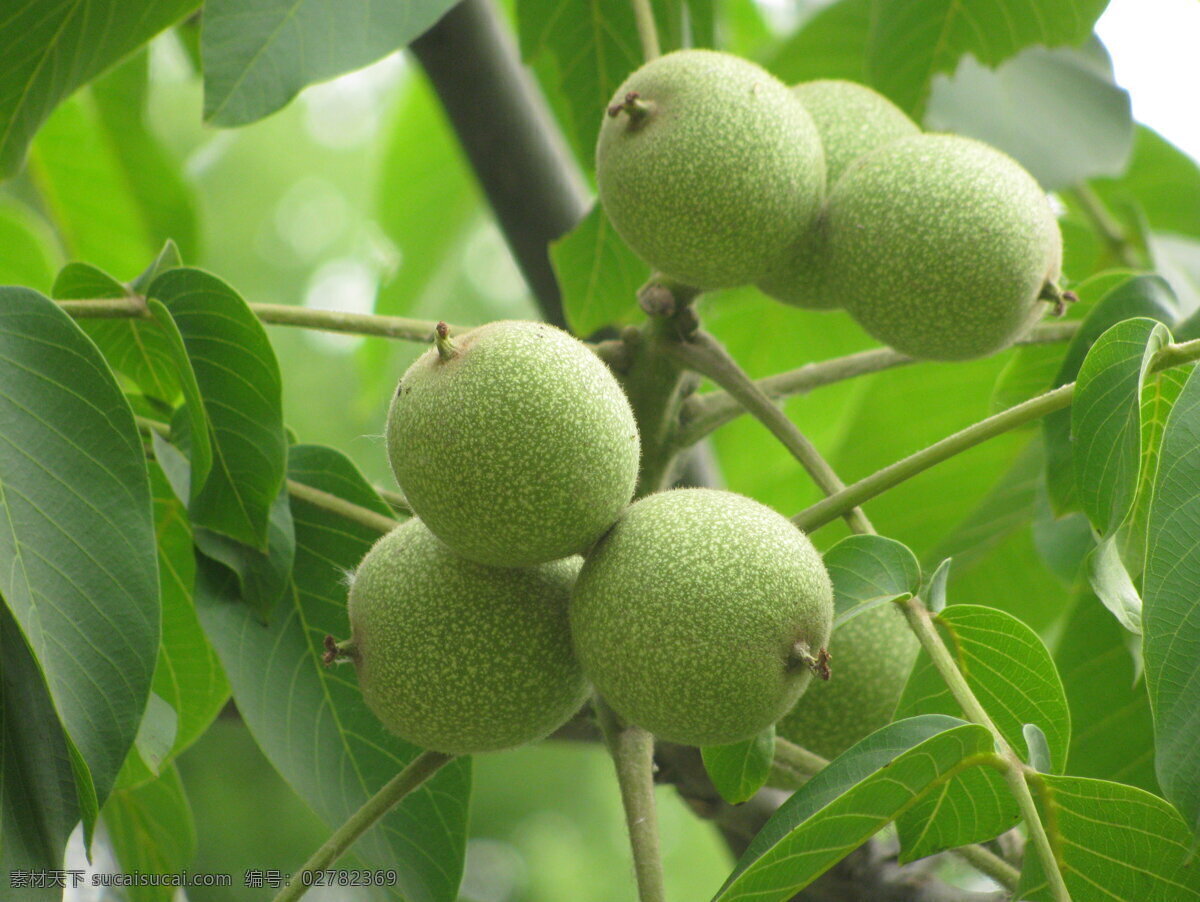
(873, 653)
(513, 443)
(852, 120)
(460, 657)
(944, 247)
(701, 615)
(709, 168)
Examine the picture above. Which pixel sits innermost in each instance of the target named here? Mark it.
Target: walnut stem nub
(441, 339)
(632, 106)
(338, 652)
(802, 656)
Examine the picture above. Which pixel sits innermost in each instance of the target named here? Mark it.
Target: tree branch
(647, 30)
(505, 127)
(704, 354)
(420, 769)
(702, 414)
(836, 505)
(398, 327)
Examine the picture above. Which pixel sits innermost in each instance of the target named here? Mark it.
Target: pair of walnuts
(477, 625)
(826, 195)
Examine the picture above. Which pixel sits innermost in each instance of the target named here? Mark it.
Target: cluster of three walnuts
(527, 575)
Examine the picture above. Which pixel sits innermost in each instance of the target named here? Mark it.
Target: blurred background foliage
(357, 197)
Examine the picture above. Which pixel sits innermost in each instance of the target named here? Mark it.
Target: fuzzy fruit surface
(519, 448)
(941, 245)
(460, 657)
(686, 613)
(872, 655)
(719, 177)
(852, 120)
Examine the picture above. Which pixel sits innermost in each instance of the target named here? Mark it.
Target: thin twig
(647, 30)
(702, 414)
(1104, 224)
(921, 622)
(704, 354)
(398, 327)
(341, 506)
(632, 750)
(420, 769)
(988, 862)
(836, 505)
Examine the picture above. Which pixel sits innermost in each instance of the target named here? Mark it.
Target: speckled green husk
(872, 655)
(942, 245)
(685, 614)
(519, 449)
(460, 657)
(852, 120)
(722, 175)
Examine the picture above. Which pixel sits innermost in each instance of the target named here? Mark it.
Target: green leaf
(51, 47)
(1162, 180)
(1112, 736)
(132, 346)
(598, 273)
(1009, 670)
(593, 45)
(1106, 419)
(867, 570)
(154, 179)
(1056, 112)
(832, 44)
(262, 577)
(740, 769)
(29, 251)
(238, 379)
(151, 832)
(311, 721)
(1110, 580)
(188, 676)
(1171, 612)
(259, 54)
(910, 43)
(1112, 842)
(36, 770)
(1139, 296)
(850, 800)
(77, 553)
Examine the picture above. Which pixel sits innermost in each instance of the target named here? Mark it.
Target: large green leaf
(1007, 667)
(311, 721)
(1106, 419)
(77, 553)
(1112, 842)
(132, 346)
(912, 42)
(29, 251)
(850, 800)
(1056, 112)
(740, 769)
(867, 570)
(163, 199)
(593, 45)
(239, 382)
(832, 44)
(598, 273)
(151, 832)
(51, 47)
(259, 54)
(1112, 732)
(188, 677)
(1009, 670)
(1162, 180)
(1171, 607)
(35, 767)
(1145, 296)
